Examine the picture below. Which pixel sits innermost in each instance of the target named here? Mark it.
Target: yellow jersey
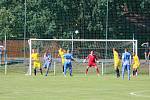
(36, 60)
(116, 56)
(136, 62)
(117, 62)
(35, 57)
(61, 53)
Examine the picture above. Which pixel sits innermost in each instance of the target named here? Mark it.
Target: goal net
(80, 49)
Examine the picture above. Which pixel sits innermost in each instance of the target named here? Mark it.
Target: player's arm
(130, 60)
(123, 58)
(85, 59)
(32, 57)
(50, 58)
(96, 59)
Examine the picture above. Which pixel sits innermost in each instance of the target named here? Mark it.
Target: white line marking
(139, 93)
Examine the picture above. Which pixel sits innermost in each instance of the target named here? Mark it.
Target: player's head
(60, 49)
(33, 50)
(47, 51)
(64, 50)
(92, 52)
(68, 51)
(126, 49)
(114, 49)
(133, 53)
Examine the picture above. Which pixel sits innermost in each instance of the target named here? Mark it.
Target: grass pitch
(78, 87)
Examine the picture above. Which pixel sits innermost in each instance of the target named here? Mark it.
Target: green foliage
(57, 18)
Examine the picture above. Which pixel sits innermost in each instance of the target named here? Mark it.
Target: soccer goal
(80, 49)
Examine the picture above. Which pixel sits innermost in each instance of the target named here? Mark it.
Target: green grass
(78, 87)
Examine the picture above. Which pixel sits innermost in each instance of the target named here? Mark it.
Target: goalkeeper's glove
(84, 60)
(97, 61)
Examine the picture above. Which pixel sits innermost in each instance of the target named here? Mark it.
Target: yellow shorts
(36, 64)
(136, 65)
(117, 64)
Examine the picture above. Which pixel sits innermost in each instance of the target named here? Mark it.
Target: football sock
(35, 71)
(41, 71)
(86, 71)
(97, 70)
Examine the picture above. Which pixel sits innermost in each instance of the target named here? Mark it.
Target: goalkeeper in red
(92, 59)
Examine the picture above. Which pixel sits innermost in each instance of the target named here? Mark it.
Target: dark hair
(126, 49)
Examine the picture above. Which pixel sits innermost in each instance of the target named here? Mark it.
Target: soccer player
(117, 62)
(146, 52)
(61, 54)
(126, 63)
(68, 64)
(47, 61)
(36, 61)
(92, 59)
(136, 64)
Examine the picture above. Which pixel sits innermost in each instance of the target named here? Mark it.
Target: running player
(47, 61)
(92, 59)
(126, 63)
(67, 64)
(136, 64)
(36, 61)
(117, 62)
(61, 54)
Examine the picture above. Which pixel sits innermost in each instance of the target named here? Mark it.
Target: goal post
(80, 49)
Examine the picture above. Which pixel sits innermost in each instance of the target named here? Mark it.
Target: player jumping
(36, 61)
(136, 64)
(92, 59)
(126, 63)
(47, 61)
(117, 62)
(68, 64)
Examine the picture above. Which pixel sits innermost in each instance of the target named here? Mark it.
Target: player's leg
(47, 69)
(35, 71)
(123, 70)
(148, 56)
(128, 68)
(86, 71)
(133, 71)
(39, 66)
(63, 61)
(70, 69)
(136, 72)
(145, 53)
(115, 67)
(34, 67)
(97, 70)
(117, 71)
(65, 68)
(44, 65)
(41, 71)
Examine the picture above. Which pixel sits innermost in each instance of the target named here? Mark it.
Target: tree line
(60, 18)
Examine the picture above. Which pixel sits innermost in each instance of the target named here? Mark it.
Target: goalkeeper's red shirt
(92, 60)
